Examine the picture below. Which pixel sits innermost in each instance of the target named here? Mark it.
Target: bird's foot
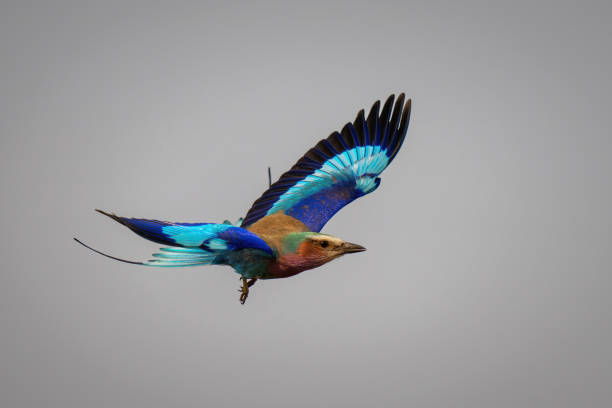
(244, 290)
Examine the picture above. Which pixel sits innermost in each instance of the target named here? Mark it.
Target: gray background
(487, 277)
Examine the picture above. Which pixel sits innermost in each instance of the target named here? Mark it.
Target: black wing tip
(408, 108)
(391, 99)
(120, 220)
(110, 215)
(404, 121)
(405, 117)
(374, 109)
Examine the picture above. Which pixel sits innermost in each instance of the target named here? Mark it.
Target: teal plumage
(280, 234)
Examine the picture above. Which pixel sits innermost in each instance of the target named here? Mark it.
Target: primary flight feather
(280, 235)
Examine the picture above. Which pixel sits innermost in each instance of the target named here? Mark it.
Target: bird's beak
(349, 248)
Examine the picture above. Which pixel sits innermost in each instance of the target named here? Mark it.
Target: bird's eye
(324, 244)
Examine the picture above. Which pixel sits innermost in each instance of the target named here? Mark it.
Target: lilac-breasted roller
(280, 235)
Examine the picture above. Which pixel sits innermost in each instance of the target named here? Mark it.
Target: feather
(169, 257)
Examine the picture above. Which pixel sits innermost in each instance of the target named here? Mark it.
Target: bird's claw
(244, 290)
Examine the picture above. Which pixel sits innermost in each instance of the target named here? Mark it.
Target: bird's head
(317, 249)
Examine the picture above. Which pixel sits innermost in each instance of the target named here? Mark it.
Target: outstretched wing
(339, 169)
(193, 243)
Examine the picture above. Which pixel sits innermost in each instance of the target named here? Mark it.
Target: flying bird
(280, 234)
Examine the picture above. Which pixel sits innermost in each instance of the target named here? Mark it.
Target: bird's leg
(244, 290)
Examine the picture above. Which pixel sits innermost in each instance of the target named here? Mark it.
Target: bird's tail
(168, 257)
(192, 243)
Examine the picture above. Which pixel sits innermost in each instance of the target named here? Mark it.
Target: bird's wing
(195, 243)
(339, 169)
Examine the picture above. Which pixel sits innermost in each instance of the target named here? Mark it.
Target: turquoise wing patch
(181, 257)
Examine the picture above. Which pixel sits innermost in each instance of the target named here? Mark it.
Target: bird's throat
(292, 264)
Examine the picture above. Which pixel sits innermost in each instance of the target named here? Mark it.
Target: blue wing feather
(339, 169)
(209, 237)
